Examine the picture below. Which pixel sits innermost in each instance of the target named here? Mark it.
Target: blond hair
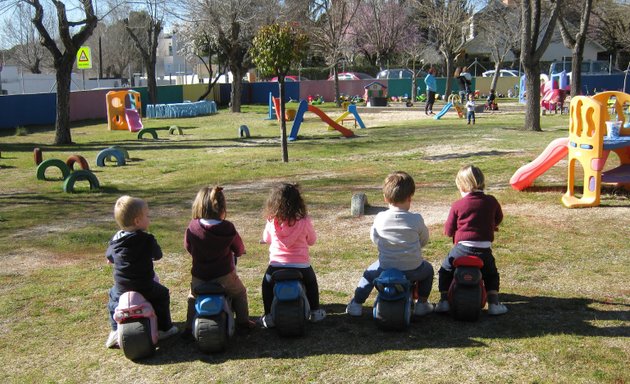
(127, 209)
(398, 187)
(469, 179)
(209, 204)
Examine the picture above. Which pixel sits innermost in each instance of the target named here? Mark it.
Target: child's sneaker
(423, 309)
(354, 309)
(166, 334)
(442, 306)
(318, 315)
(497, 309)
(112, 340)
(266, 321)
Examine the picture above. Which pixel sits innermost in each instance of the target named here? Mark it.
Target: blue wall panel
(23, 110)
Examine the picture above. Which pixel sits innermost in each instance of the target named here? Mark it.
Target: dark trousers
(159, 298)
(489, 271)
(471, 116)
(430, 101)
(308, 278)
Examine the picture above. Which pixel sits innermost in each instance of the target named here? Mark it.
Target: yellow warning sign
(84, 58)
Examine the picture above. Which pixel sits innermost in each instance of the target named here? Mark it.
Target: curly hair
(285, 204)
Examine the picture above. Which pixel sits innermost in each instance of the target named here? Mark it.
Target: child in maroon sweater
(214, 243)
(471, 223)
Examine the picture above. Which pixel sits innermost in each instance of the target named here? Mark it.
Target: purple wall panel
(86, 105)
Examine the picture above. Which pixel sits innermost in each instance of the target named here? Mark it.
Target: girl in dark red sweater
(471, 223)
(214, 243)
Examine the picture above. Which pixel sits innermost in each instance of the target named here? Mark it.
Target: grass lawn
(564, 273)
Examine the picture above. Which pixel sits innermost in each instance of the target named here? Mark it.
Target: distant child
(490, 102)
(289, 232)
(399, 236)
(470, 107)
(214, 245)
(431, 85)
(132, 251)
(471, 223)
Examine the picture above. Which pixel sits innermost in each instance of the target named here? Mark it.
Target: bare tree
(64, 51)
(329, 32)
(447, 26)
(576, 38)
(380, 30)
(197, 43)
(610, 26)
(500, 26)
(537, 28)
(150, 23)
(21, 34)
(232, 24)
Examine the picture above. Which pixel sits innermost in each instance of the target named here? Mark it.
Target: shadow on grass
(529, 317)
(465, 155)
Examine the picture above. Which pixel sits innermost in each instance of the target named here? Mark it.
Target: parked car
(589, 67)
(399, 73)
(290, 78)
(352, 76)
(502, 73)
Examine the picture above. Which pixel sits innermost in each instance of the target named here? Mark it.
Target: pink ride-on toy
(137, 326)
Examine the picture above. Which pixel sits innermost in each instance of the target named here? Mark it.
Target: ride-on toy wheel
(135, 339)
(392, 315)
(211, 333)
(289, 317)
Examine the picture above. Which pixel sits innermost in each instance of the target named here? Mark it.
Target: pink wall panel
(326, 88)
(88, 105)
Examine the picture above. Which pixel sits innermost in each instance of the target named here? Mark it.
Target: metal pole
(100, 58)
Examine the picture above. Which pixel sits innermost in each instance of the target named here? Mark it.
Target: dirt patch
(28, 260)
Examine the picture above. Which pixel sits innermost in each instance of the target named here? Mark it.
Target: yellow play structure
(590, 143)
(123, 110)
(457, 103)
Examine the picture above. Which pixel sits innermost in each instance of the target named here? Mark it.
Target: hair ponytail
(209, 204)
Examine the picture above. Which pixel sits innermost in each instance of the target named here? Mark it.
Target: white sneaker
(422, 309)
(166, 334)
(354, 309)
(442, 306)
(318, 315)
(497, 309)
(267, 321)
(112, 340)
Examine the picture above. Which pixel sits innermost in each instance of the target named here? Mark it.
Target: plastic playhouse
(594, 131)
(124, 110)
(554, 92)
(375, 94)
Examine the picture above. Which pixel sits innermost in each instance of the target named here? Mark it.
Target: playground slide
(134, 121)
(525, 175)
(299, 117)
(443, 111)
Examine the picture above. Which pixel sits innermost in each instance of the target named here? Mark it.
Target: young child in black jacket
(132, 251)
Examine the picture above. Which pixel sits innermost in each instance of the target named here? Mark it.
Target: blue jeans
(489, 271)
(423, 275)
(471, 115)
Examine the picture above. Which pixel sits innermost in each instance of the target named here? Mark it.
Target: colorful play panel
(187, 109)
(124, 110)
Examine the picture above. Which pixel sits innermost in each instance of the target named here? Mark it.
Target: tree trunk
(497, 73)
(152, 83)
(62, 123)
(337, 94)
(448, 59)
(577, 57)
(237, 89)
(283, 122)
(532, 102)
